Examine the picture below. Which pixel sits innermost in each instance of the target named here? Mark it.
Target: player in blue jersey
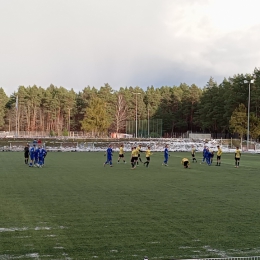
(109, 154)
(42, 154)
(32, 155)
(36, 157)
(204, 153)
(166, 156)
(208, 156)
(212, 153)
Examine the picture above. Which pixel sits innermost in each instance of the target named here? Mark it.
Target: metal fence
(145, 128)
(45, 134)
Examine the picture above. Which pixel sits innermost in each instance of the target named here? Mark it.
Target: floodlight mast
(248, 111)
(136, 130)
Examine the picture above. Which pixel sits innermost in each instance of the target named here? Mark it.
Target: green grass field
(74, 208)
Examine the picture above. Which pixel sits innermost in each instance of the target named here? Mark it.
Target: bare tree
(120, 114)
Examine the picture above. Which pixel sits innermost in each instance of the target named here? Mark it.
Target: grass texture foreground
(75, 208)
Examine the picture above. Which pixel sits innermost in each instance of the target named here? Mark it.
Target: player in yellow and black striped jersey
(193, 150)
(147, 155)
(121, 154)
(134, 157)
(219, 152)
(237, 157)
(138, 148)
(185, 162)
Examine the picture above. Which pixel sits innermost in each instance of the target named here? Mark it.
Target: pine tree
(96, 118)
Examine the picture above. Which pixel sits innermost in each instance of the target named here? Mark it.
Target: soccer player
(211, 156)
(193, 150)
(208, 156)
(121, 154)
(32, 154)
(42, 154)
(109, 154)
(204, 152)
(138, 148)
(219, 152)
(185, 162)
(166, 155)
(26, 154)
(147, 155)
(134, 157)
(36, 157)
(237, 157)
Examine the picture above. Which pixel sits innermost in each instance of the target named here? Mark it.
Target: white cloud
(131, 42)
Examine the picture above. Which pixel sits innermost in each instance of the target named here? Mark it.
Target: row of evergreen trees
(215, 108)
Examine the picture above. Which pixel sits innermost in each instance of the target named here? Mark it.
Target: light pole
(69, 122)
(248, 111)
(148, 123)
(136, 93)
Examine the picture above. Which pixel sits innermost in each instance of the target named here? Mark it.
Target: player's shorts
(26, 155)
(32, 156)
(237, 159)
(193, 155)
(218, 157)
(147, 158)
(133, 159)
(185, 164)
(121, 156)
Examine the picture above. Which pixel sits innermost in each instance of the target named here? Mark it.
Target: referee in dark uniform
(26, 154)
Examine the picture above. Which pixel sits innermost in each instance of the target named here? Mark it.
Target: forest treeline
(217, 108)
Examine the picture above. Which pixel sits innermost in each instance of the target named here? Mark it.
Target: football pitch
(74, 208)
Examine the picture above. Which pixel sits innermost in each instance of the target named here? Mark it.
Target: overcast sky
(76, 43)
